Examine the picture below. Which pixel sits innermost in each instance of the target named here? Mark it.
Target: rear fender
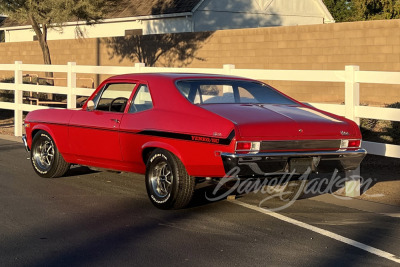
(157, 144)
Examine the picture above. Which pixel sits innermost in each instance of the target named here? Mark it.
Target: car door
(138, 117)
(94, 135)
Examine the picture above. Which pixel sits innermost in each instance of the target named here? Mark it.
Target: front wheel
(168, 184)
(46, 159)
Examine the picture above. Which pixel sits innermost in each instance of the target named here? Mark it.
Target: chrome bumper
(25, 143)
(278, 162)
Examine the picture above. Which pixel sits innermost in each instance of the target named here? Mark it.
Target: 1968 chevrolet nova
(175, 128)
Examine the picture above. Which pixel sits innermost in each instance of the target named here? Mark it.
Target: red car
(176, 128)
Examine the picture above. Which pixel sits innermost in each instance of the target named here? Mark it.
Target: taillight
(355, 143)
(245, 147)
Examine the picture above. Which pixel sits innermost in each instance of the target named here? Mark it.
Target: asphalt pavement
(100, 218)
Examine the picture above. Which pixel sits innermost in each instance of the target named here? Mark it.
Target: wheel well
(34, 132)
(148, 150)
(146, 153)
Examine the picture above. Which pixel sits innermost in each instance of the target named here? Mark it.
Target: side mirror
(90, 105)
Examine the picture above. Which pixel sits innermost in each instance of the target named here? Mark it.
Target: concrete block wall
(373, 45)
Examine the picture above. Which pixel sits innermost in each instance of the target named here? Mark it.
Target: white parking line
(323, 232)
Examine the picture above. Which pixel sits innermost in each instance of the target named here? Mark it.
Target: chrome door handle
(115, 120)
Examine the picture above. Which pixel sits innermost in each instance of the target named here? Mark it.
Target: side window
(142, 100)
(114, 97)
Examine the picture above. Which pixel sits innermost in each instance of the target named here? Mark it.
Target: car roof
(173, 76)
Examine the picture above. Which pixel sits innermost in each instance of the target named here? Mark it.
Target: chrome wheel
(43, 154)
(168, 184)
(161, 179)
(45, 157)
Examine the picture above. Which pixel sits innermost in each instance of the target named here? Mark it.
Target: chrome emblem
(344, 133)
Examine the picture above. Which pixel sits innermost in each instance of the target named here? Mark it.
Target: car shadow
(272, 187)
(204, 194)
(374, 169)
(78, 170)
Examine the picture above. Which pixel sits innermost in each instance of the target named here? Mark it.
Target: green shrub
(394, 129)
(382, 131)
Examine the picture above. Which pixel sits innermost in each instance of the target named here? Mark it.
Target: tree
(377, 9)
(341, 10)
(358, 10)
(170, 50)
(45, 14)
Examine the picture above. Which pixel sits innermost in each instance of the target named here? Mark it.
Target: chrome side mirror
(90, 105)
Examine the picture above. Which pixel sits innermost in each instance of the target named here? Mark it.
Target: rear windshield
(230, 91)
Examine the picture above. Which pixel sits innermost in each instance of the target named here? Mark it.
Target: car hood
(282, 121)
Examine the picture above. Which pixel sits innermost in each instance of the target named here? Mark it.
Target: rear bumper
(280, 162)
(25, 143)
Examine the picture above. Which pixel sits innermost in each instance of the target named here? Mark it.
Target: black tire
(45, 157)
(168, 184)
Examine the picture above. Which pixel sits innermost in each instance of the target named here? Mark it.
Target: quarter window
(142, 100)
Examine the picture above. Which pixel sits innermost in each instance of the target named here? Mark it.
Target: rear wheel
(45, 157)
(168, 184)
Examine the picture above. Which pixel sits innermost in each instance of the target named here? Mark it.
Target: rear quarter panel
(189, 131)
(187, 136)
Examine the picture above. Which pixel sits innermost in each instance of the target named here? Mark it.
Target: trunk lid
(280, 122)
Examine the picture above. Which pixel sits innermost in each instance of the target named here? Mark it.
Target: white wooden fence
(351, 77)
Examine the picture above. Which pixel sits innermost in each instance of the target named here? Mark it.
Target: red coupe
(176, 128)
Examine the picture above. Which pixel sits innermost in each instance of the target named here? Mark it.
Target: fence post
(71, 84)
(352, 93)
(138, 67)
(18, 99)
(352, 99)
(228, 67)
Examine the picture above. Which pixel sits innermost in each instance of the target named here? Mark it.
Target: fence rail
(351, 76)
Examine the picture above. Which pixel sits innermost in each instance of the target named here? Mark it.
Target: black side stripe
(180, 136)
(78, 126)
(189, 137)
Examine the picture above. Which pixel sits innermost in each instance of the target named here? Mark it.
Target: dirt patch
(384, 192)
(384, 173)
